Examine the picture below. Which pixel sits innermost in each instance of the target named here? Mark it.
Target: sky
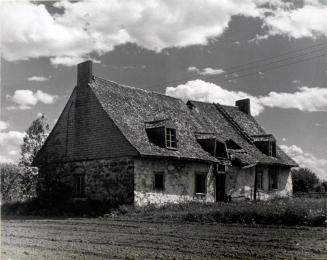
(274, 52)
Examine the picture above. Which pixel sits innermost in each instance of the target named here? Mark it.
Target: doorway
(220, 187)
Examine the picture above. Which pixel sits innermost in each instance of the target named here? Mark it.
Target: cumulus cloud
(3, 125)
(25, 98)
(206, 71)
(308, 160)
(38, 78)
(10, 142)
(304, 99)
(97, 26)
(308, 20)
(208, 92)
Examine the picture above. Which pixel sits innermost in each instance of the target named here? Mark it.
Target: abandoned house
(118, 142)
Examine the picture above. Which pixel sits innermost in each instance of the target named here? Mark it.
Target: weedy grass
(289, 212)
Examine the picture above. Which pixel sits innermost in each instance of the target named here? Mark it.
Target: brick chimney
(244, 105)
(84, 72)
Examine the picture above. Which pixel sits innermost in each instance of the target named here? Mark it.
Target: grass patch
(305, 212)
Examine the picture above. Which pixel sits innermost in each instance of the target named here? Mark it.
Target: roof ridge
(233, 122)
(141, 89)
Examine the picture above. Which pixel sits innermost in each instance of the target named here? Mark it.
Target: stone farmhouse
(135, 146)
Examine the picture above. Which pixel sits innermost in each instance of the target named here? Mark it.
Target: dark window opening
(200, 183)
(159, 182)
(232, 145)
(272, 149)
(273, 178)
(79, 185)
(171, 138)
(221, 168)
(260, 180)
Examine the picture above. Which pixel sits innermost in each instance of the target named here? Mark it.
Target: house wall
(84, 131)
(179, 179)
(110, 179)
(240, 183)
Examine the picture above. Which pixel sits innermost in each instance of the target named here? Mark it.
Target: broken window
(273, 178)
(212, 146)
(159, 182)
(260, 179)
(232, 145)
(171, 138)
(79, 185)
(200, 183)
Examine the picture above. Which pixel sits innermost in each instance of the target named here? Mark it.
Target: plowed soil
(121, 238)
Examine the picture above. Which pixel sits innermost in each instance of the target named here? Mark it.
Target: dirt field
(128, 239)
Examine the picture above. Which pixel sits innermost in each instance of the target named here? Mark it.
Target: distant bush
(10, 180)
(71, 208)
(304, 180)
(308, 212)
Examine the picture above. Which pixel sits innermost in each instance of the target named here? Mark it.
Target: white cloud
(10, 142)
(4, 159)
(304, 99)
(26, 98)
(284, 139)
(206, 71)
(317, 124)
(208, 92)
(298, 22)
(3, 125)
(98, 26)
(37, 79)
(308, 160)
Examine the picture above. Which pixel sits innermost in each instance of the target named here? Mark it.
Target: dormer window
(232, 145)
(266, 144)
(171, 138)
(212, 145)
(162, 133)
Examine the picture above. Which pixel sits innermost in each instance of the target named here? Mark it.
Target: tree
(304, 180)
(11, 176)
(35, 136)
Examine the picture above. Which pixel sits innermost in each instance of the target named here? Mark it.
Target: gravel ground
(121, 238)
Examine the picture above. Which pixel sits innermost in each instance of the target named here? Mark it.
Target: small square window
(200, 183)
(159, 182)
(171, 138)
(79, 185)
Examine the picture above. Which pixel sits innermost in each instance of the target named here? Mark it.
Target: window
(79, 185)
(260, 180)
(232, 145)
(159, 182)
(272, 149)
(273, 178)
(200, 183)
(171, 138)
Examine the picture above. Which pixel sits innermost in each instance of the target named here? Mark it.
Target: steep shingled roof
(252, 127)
(130, 108)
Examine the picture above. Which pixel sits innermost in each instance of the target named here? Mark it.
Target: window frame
(170, 138)
(163, 181)
(204, 176)
(79, 186)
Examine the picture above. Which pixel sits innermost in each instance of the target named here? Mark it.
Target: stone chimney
(84, 72)
(244, 105)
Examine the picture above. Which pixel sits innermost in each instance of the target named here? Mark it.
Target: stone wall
(240, 183)
(110, 179)
(179, 179)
